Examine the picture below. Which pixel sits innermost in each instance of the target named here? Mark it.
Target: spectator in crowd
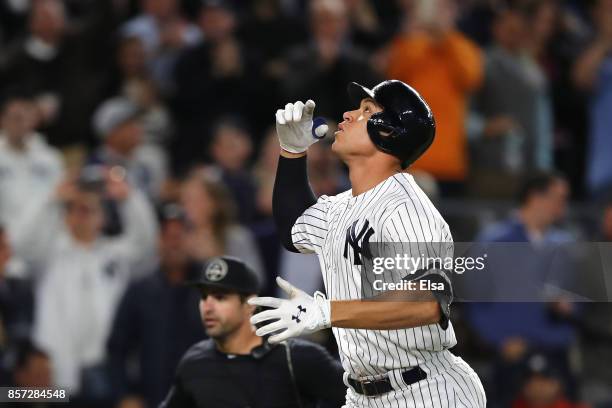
(475, 20)
(130, 64)
(515, 132)
(366, 28)
(16, 301)
(543, 17)
(445, 67)
(213, 79)
(83, 274)
(321, 68)
(119, 123)
(230, 150)
(295, 373)
(156, 120)
(164, 32)
(29, 168)
(131, 79)
(555, 41)
(514, 329)
(212, 214)
(542, 386)
(58, 67)
(157, 319)
(271, 33)
(593, 73)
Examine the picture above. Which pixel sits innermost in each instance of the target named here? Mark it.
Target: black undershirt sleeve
(291, 197)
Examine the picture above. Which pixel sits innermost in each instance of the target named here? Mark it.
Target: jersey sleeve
(418, 231)
(310, 229)
(412, 222)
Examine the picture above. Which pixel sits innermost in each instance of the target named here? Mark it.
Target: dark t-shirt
(208, 378)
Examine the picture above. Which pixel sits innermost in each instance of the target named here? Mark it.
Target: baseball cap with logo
(112, 113)
(229, 273)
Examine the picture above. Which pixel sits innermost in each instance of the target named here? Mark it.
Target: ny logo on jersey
(357, 241)
(300, 311)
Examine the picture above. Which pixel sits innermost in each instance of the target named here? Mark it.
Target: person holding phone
(82, 274)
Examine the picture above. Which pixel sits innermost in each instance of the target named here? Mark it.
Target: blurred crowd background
(137, 140)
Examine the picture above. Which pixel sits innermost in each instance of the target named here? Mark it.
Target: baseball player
(394, 353)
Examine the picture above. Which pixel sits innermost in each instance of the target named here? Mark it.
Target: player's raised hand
(300, 314)
(294, 126)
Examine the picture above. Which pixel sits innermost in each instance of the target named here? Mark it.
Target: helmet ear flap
(385, 132)
(384, 125)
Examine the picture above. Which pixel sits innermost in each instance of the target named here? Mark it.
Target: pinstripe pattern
(398, 211)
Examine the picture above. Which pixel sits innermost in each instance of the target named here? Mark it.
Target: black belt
(383, 385)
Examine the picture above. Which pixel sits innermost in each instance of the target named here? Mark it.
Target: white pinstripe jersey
(397, 210)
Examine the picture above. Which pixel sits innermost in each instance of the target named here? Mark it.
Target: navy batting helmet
(406, 127)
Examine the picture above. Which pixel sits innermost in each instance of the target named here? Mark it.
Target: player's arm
(292, 193)
(304, 314)
(384, 314)
(399, 309)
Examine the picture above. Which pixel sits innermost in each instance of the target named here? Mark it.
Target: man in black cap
(235, 367)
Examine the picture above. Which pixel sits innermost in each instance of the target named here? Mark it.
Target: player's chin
(338, 141)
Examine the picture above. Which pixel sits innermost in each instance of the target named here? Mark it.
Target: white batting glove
(300, 314)
(294, 127)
